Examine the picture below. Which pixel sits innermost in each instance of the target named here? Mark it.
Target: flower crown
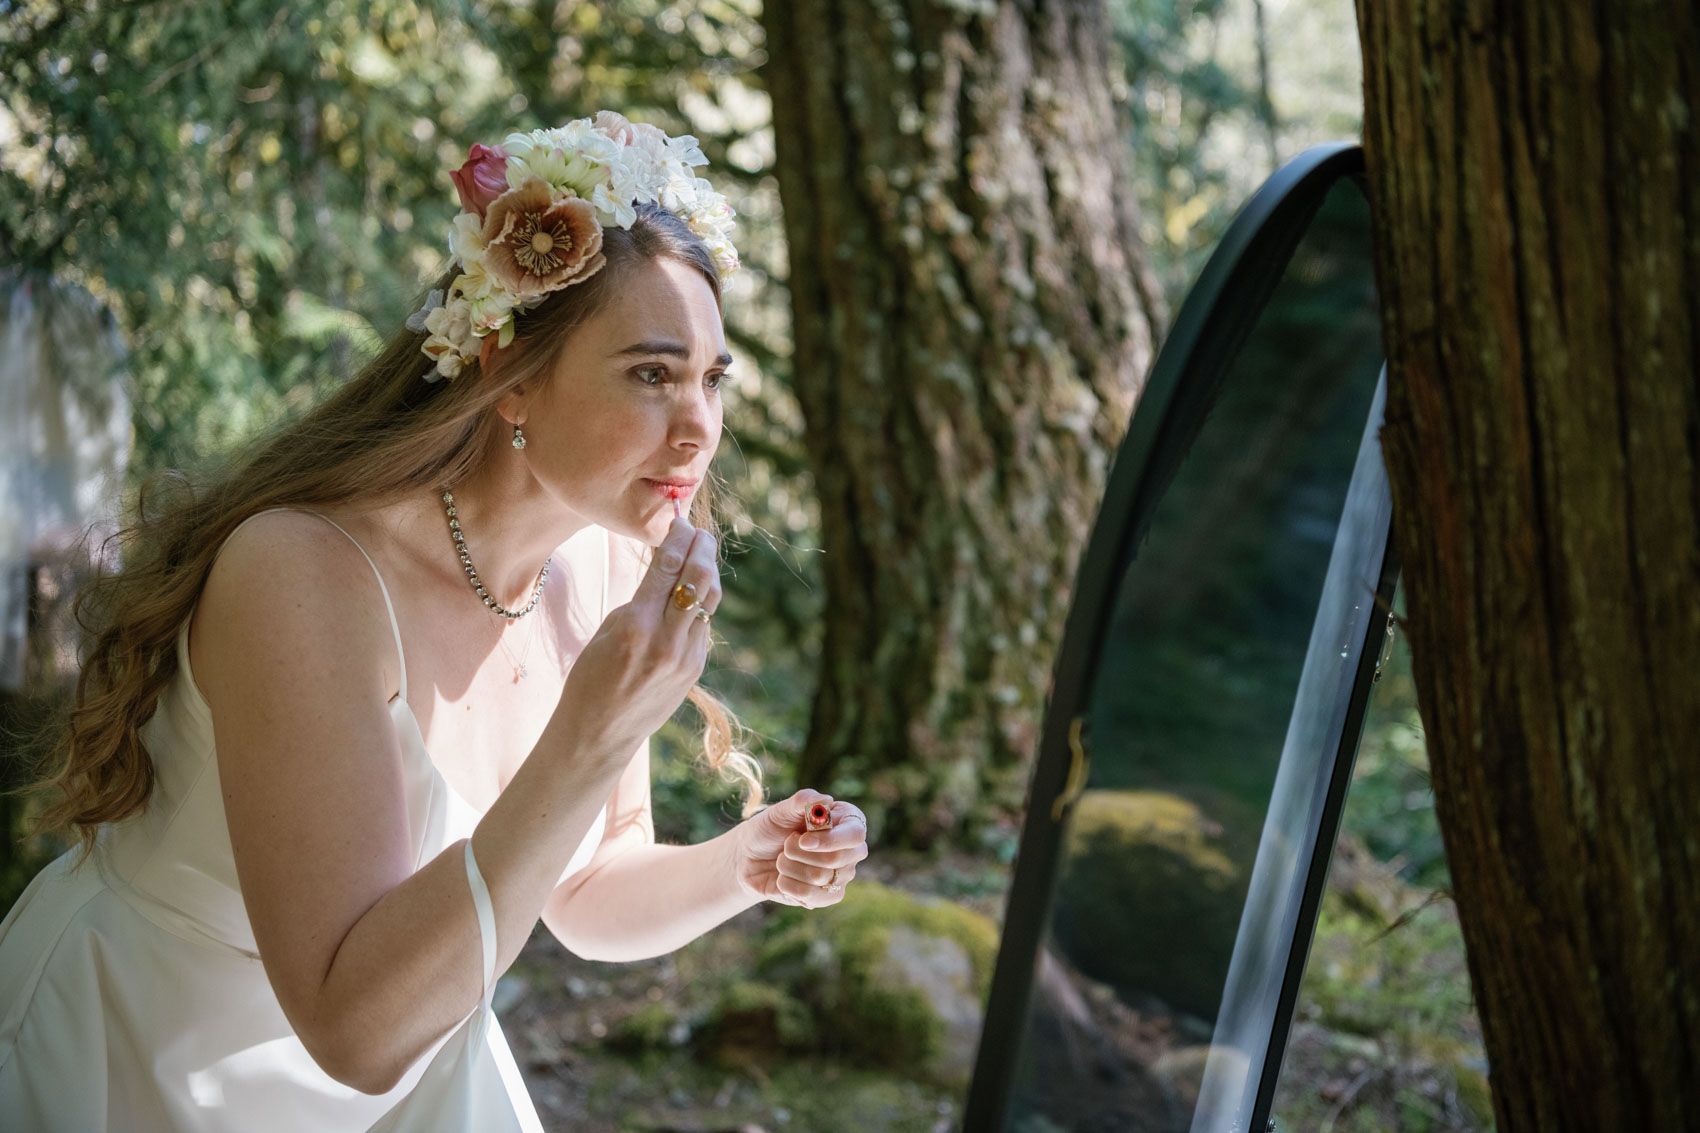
(532, 212)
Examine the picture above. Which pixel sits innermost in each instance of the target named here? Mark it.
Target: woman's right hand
(635, 671)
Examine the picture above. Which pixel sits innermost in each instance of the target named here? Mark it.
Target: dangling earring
(519, 438)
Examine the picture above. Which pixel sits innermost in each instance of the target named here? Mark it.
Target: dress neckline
(203, 711)
(430, 760)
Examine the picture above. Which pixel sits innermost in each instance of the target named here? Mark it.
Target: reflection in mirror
(1385, 1033)
(1209, 721)
(1269, 920)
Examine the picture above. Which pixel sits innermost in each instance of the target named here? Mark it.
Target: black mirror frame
(1212, 325)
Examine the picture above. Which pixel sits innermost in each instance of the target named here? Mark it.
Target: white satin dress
(131, 993)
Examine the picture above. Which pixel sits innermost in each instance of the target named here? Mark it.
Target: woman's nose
(696, 419)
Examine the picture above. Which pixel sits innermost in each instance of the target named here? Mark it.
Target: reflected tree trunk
(1536, 180)
(973, 318)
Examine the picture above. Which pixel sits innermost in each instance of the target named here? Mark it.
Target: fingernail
(809, 843)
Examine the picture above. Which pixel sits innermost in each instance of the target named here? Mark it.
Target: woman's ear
(511, 405)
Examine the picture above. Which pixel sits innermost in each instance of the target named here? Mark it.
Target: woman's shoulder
(287, 575)
(290, 544)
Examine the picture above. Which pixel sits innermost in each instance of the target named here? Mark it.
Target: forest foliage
(260, 193)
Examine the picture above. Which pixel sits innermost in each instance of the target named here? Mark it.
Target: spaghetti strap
(395, 627)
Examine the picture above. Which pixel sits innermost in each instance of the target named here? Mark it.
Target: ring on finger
(684, 596)
(702, 614)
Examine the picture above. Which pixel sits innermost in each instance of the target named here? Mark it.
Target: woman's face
(634, 398)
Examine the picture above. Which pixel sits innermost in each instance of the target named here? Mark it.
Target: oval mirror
(1208, 696)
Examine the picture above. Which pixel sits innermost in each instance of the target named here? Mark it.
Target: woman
(423, 732)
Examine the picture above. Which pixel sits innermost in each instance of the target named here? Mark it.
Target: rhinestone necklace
(472, 572)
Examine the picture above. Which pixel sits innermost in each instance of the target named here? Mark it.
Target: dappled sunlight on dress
(131, 993)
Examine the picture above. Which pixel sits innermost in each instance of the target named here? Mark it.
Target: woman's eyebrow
(664, 346)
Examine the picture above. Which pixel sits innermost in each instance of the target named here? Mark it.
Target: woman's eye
(715, 380)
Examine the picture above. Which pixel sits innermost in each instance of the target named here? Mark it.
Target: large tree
(972, 320)
(1535, 175)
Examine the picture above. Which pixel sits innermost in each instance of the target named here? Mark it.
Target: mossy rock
(751, 1022)
(902, 979)
(1149, 896)
(654, 1026)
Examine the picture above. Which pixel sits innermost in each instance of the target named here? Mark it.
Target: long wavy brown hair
(382, 435)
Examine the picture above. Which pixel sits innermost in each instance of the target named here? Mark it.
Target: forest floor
(563, 1019)
(1382, 1041)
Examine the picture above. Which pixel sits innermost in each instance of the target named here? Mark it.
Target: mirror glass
(1214, 713)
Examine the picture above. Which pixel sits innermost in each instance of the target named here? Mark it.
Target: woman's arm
(635, 899)
(401, 977)
(371, 961)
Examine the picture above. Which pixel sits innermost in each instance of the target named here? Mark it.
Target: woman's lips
(669, 491)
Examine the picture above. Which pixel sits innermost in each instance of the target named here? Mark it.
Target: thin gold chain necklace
(519, 664)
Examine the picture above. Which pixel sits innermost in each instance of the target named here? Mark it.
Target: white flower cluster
(532, 213)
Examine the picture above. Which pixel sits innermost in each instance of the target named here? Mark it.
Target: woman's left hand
(773, 862)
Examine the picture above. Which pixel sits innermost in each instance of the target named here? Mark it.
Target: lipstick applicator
(675, 494)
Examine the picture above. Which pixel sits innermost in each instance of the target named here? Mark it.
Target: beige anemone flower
(535, 245)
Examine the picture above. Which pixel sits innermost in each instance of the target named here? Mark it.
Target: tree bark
(973, 319)
(1535, 177)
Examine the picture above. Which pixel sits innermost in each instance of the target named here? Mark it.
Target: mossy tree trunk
(973, 318)
(1535, 173)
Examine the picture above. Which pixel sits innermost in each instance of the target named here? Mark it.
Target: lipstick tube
(817, 817)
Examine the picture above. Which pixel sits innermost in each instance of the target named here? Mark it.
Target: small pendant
(522, 671)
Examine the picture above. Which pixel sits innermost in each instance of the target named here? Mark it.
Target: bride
(356, 716)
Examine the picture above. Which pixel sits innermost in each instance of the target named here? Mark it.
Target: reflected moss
(1150, 893)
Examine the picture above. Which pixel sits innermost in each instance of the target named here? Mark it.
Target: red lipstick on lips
(674, 492)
